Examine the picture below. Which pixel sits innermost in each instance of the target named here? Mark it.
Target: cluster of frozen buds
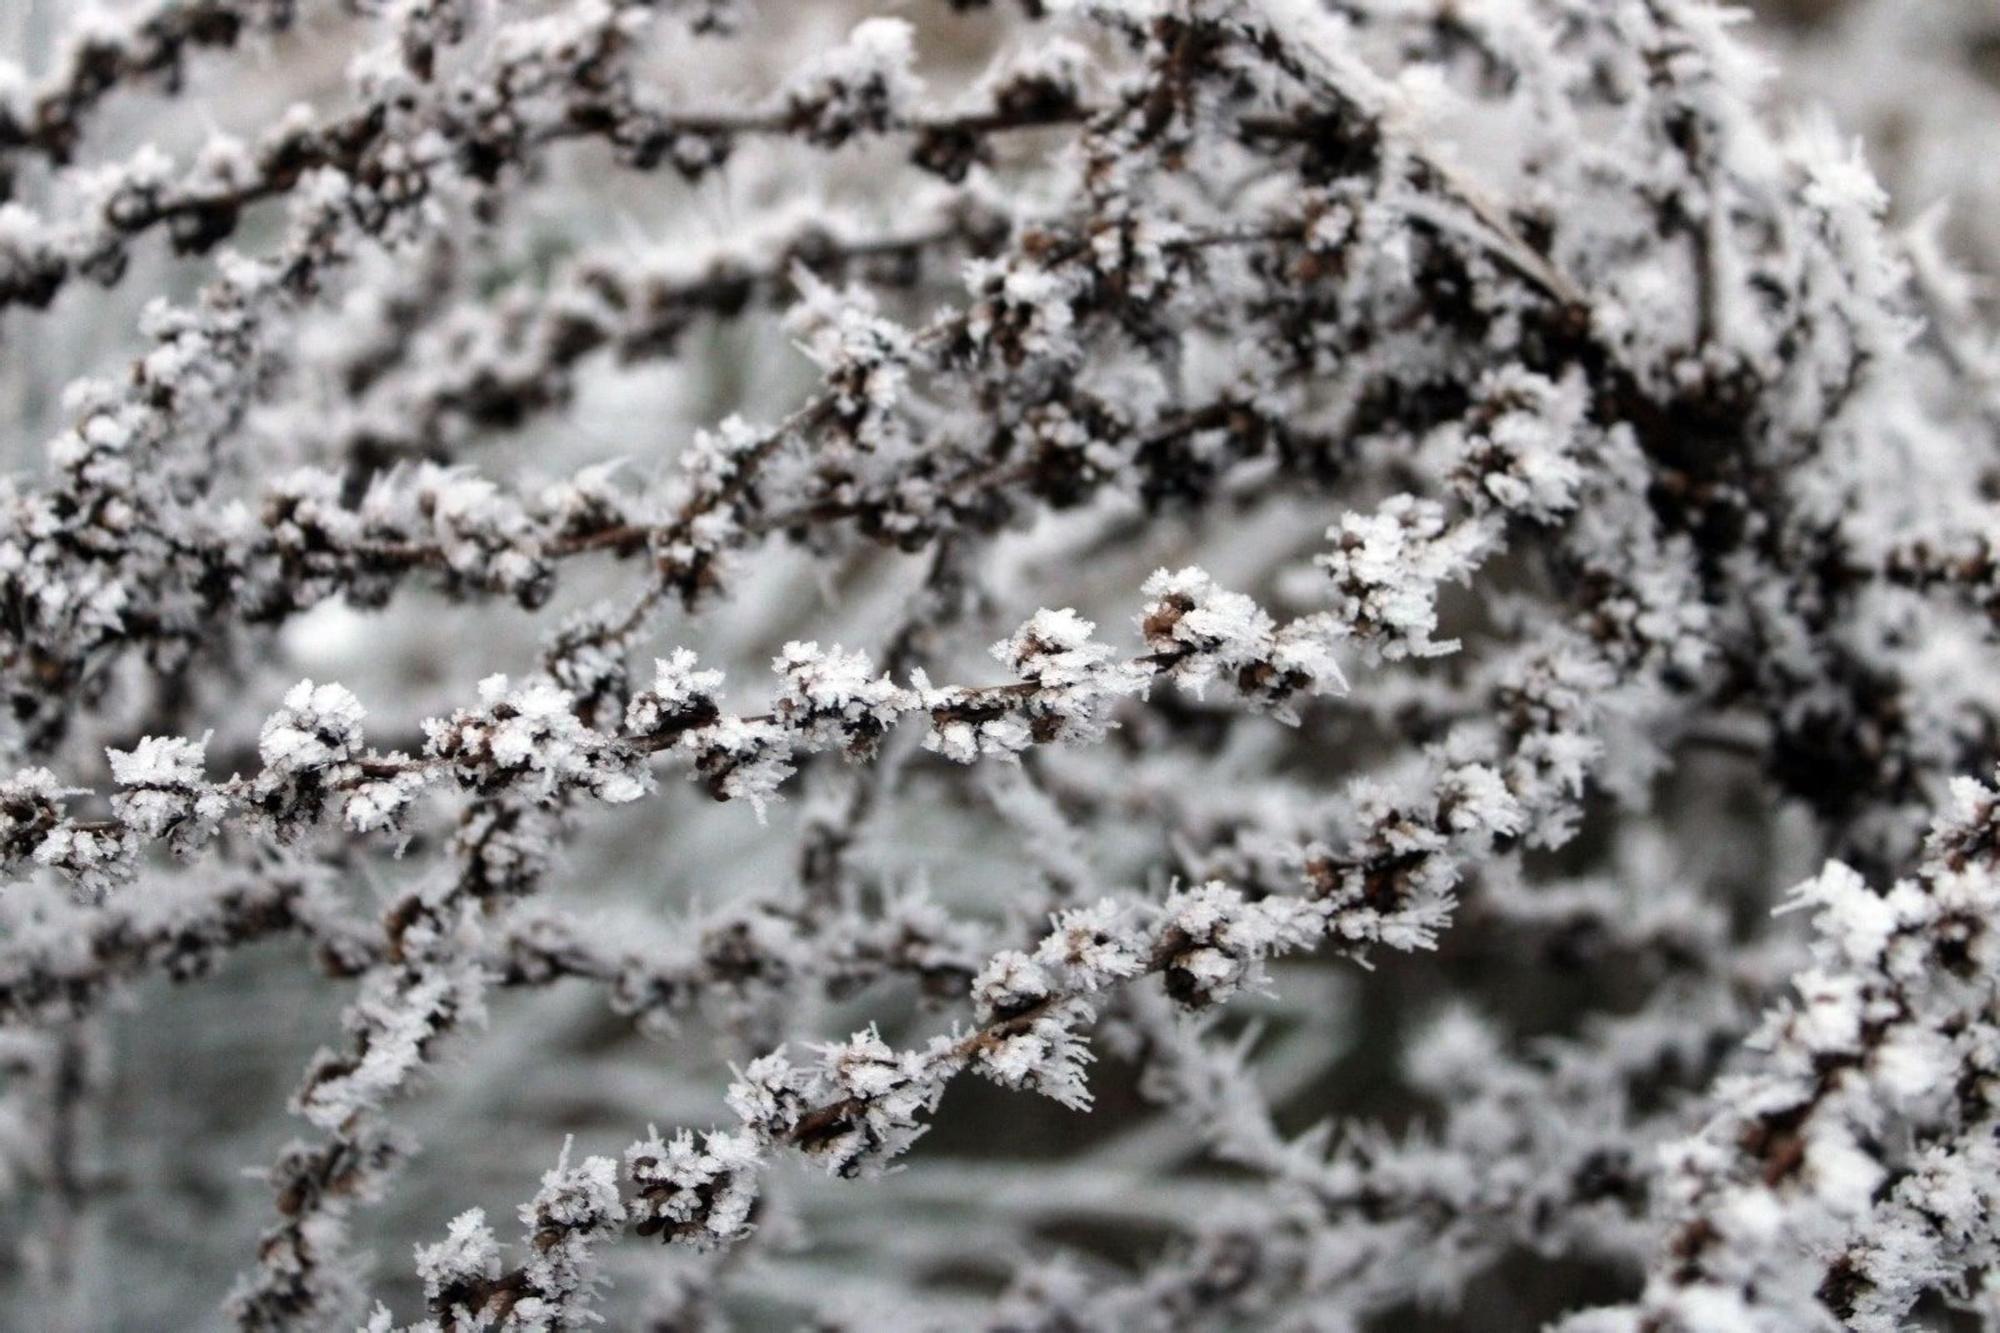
(861, 1102)
(577, 1208)
(527, 739)
(1067, 684)
(1852, 1160)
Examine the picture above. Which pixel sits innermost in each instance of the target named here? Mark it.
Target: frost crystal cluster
(1058, 665)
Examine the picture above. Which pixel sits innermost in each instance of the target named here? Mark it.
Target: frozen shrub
(1227, 566)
